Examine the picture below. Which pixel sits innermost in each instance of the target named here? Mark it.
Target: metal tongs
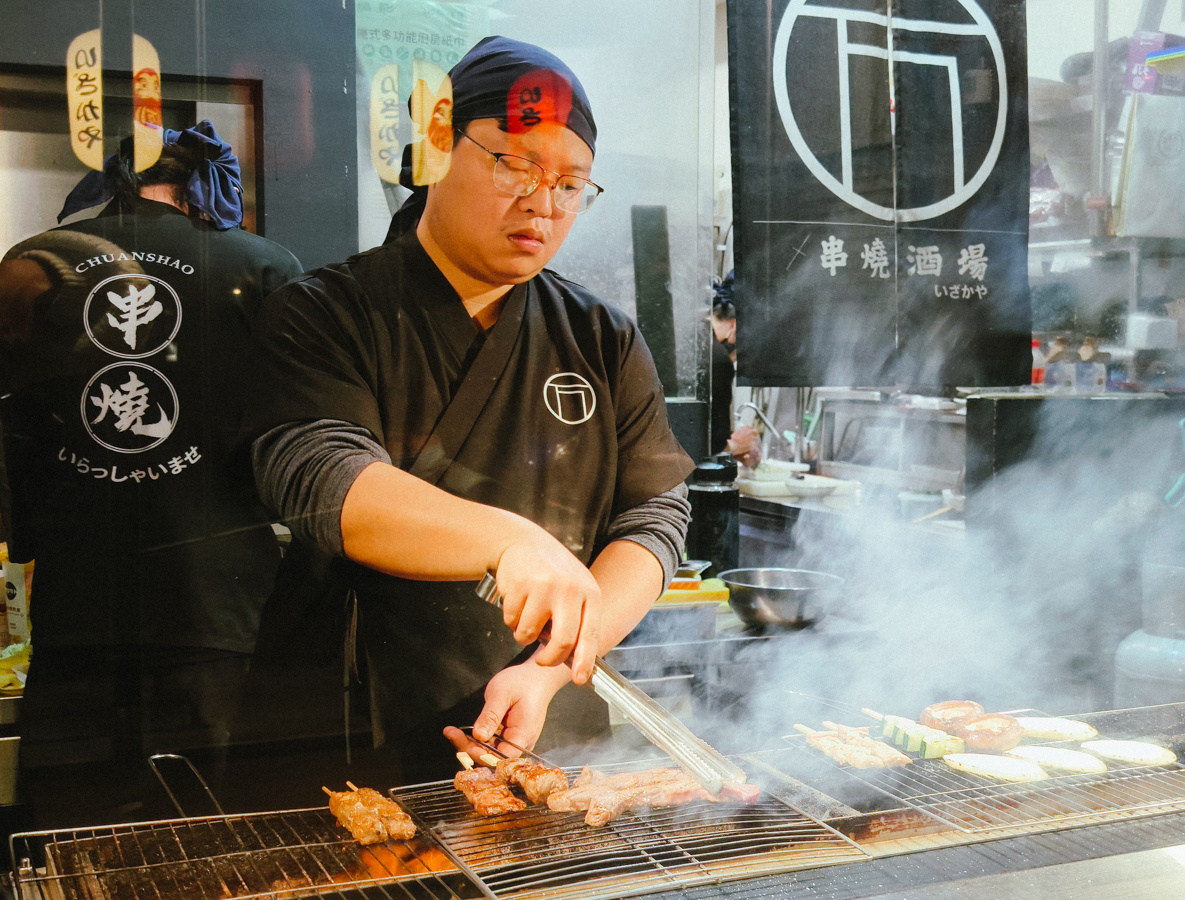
(704, 763)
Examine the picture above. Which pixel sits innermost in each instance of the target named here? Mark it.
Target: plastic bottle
(1091, 375)
(1038, 363)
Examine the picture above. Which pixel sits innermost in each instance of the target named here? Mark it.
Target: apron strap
(457, 421)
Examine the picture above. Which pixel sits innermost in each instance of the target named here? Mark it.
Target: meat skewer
(537, 780)
(858, 737)
(849, 747)
(676, 790)
(832, 746)
(482, 787)
(369, 816)
(606, 796)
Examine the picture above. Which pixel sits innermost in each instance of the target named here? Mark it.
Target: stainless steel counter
(1132, 876)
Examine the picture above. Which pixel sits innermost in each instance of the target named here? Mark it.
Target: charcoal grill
(456, 854)
(535, 854)
(283, 854)
(974, 804)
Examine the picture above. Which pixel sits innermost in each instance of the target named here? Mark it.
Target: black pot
(780, 598)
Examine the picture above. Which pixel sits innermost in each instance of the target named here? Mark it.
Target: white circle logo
(570, 398)
(981, 27)
(129, 407)
(132, 316)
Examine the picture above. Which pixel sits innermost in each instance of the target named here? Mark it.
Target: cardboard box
(1142, 78)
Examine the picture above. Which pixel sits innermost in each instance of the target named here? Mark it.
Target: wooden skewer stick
(489, 759)
(932, 515)
(465, 759)
(328, 791)
(804, 729)
(862, 729)
(872, 713)
(350, 785)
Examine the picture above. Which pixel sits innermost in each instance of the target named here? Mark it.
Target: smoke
(1023, 609)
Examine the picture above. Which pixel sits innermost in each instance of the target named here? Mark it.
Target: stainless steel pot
(786, 598)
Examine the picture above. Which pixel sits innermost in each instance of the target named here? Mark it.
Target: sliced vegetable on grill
(1001, 768)
(1056, 729)
(1137, 753)
(1060, 758)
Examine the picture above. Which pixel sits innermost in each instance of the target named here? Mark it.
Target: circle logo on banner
(129, 407)
(132, 316)
(570, 398)
(849, 45)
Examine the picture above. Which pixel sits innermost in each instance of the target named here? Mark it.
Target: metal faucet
(784, 435)
(760, 414)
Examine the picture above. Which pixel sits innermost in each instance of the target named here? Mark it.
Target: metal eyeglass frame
(538, 180)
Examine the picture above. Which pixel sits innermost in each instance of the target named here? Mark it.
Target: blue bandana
(215, 188)
(501, 78)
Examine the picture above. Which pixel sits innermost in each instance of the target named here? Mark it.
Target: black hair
(175, 166)
(723, 306)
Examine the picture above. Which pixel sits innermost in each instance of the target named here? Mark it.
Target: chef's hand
(745, 446)
(544, 586)
(516, 708)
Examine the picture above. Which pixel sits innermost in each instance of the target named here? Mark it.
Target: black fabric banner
(881, 213)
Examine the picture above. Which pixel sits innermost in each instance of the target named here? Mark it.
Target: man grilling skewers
(443, 405)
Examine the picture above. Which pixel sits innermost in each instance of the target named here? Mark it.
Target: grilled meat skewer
(369, 816)
(488, 793)
(537, 780)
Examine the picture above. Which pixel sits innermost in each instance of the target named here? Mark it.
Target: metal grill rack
(284, 854)
(538, 853)
(973, 804)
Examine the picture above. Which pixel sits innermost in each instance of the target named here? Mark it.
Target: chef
(443, 406)
(122, 342)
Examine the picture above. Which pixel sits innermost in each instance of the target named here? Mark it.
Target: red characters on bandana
(539, 96)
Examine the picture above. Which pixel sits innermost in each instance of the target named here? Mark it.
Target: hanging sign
(384, 122)
(84, 94)
(881, 181)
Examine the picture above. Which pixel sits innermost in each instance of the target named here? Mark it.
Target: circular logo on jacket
(570, 398)
(129, 407)
(132, 316)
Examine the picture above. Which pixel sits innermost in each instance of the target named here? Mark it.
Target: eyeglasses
(520, 177)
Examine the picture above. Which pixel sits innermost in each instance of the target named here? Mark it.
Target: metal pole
(1100, 178)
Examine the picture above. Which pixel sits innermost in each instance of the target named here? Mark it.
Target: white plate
(794, 486)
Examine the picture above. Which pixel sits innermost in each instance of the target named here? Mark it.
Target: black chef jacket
(154, 555)
(120, 417)
(556, 413)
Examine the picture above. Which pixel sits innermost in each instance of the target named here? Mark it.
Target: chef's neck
(482, 301)
(484, 308)
(163, 193)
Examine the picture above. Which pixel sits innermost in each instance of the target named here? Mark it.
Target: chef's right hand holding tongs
(554, 601)
(704, 763)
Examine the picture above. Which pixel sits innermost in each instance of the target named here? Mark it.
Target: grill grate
(537, 853)
(284, 854)
(973, 804)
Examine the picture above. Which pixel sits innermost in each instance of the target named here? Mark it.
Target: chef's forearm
(311, 474)
(631, 579)
(402, 525)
